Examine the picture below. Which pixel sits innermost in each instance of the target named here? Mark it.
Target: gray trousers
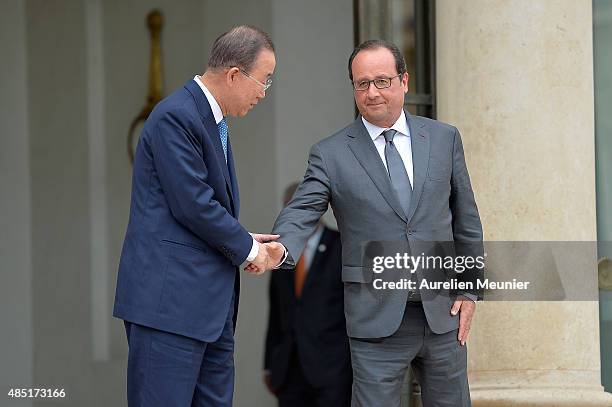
(438, 361)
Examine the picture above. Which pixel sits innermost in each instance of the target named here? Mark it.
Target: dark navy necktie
(403, 189)
(397, 171)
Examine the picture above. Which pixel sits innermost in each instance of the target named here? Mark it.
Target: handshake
(270, 254)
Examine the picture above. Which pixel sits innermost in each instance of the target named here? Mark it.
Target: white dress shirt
(214, 105)
(218, 114)
(401, 140)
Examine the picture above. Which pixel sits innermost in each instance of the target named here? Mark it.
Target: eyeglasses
(380, 83)
(265, 86)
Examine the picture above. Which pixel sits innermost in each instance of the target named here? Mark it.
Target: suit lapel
(208, 119)
(363, 148)
(419, 139)
(234, 179)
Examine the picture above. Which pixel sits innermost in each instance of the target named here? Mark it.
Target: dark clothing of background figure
(307, 347)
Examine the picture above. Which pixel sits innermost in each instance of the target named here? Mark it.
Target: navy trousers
(169, 370)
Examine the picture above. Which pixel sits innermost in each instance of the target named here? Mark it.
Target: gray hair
(239, 47)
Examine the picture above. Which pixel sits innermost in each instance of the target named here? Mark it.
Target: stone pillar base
(538, 388)
(548, 397)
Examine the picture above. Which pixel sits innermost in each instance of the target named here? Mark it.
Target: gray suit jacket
(346, 172)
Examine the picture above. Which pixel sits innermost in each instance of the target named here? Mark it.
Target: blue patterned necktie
(223, 131)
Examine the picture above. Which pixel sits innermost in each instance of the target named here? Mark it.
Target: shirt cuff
(283, 260)
(254, 251)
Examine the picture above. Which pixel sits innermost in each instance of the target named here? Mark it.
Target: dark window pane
(409, 24)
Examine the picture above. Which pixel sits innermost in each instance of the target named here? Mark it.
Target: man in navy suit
(178, 280)
(307, 358)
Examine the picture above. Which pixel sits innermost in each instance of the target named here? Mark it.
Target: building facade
(526, 82)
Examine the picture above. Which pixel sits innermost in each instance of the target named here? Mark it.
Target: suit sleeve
(467, 228)
(299, 218)
(177, 156)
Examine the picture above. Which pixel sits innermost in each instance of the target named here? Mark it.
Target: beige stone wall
(516, 78)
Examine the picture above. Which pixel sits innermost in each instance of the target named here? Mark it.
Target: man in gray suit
(391, 176)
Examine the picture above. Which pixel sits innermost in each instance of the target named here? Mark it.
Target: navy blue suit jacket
(183, 245)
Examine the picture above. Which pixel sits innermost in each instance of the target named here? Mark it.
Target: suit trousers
(438, 361)
(169, 370)
(296, 391)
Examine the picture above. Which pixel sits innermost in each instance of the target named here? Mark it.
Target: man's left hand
(466, 308)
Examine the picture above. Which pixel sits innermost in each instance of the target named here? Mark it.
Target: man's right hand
(268, 381)
(269, 256)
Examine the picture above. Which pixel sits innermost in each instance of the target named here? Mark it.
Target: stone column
(516, 78)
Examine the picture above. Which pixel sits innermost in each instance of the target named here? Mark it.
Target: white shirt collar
(401, 126)
(214, 106)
